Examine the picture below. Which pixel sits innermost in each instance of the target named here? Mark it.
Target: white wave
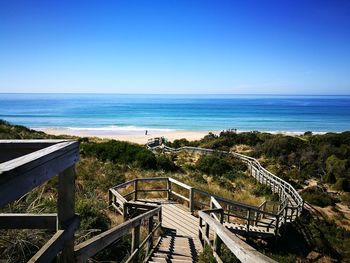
(117, 128)
(105, 129)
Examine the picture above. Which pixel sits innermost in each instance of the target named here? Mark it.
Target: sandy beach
(138, 137)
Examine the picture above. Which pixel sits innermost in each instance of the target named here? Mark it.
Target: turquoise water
(135, 113)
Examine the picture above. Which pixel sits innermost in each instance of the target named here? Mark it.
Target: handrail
(217, 211)
(232, 202)
(90, 247)
(180, 183)
(284, 189)
(252, 215)
(239, 248)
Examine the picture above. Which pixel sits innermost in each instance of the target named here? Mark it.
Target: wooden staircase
(180, 242)
(176, 248)
(254, 231)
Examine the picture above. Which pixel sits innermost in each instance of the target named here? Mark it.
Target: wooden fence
(291, 201)
(212, 219)
(121, 195)
(26, 164)
(220, 211)
(89, 248)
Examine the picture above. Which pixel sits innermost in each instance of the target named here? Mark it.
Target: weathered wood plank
(29, 161)
(28, 221)
(179, 183)
(135, 242)
(151, 190)
(238, 247)
(180, 195)
(49, 251)
(90, 247)
(22, 180)
(66, 209)
(10, 149)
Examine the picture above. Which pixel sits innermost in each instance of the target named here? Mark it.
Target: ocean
(127, 113)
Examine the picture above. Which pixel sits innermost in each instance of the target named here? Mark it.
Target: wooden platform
(180, 242)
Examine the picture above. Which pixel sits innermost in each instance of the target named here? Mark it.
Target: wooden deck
(180, 242)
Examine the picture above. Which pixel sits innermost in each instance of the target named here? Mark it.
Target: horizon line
(118, 93)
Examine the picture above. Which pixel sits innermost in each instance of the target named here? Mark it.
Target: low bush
(146, 160)
(342, 184)
(166, 164)
(206, 256)
(262, 190)
(91, 217)
(213, 165)
(120, 152)
(316, 196)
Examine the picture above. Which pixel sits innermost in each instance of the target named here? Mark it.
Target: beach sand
(139, 137)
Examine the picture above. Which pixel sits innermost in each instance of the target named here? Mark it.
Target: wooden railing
(233, 211)
(287, 194)
(208, 221)
(118, 200)
(89, 248)
(220, 211)
(26, 164)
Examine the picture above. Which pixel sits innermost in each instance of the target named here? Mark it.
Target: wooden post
(125, 211)
(285, 214)
(160, 216)
(150, 241)
(248, 221)
(228, 212)
(135, 189)
(66, 209)
(199, 231)
(207, 230)
(191, 205)
(110, 198)
(217, 244)
(222, 216)
(169, 189)
(135, 242)
(277, 223)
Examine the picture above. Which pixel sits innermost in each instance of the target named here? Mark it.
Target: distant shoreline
(139, 136)
(132, 136)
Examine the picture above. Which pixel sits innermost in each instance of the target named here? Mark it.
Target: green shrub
(90, 216)
(146, 160)
(227, 256)
(231, 175)
(166, 164)
(316, 196)
(213, 165)
(342, 184)
(206, 256)
(262, 190)
(120, 152)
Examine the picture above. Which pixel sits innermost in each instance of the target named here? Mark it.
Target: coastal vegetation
(318, 165)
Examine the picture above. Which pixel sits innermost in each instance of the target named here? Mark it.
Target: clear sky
(166, 46)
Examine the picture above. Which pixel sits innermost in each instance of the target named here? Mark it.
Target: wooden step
(170, 255)
(171, 260)
(252, 229)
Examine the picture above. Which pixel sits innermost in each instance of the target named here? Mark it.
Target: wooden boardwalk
(180, 242)
(184, 234)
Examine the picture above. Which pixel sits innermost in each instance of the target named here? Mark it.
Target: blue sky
(166, 46)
